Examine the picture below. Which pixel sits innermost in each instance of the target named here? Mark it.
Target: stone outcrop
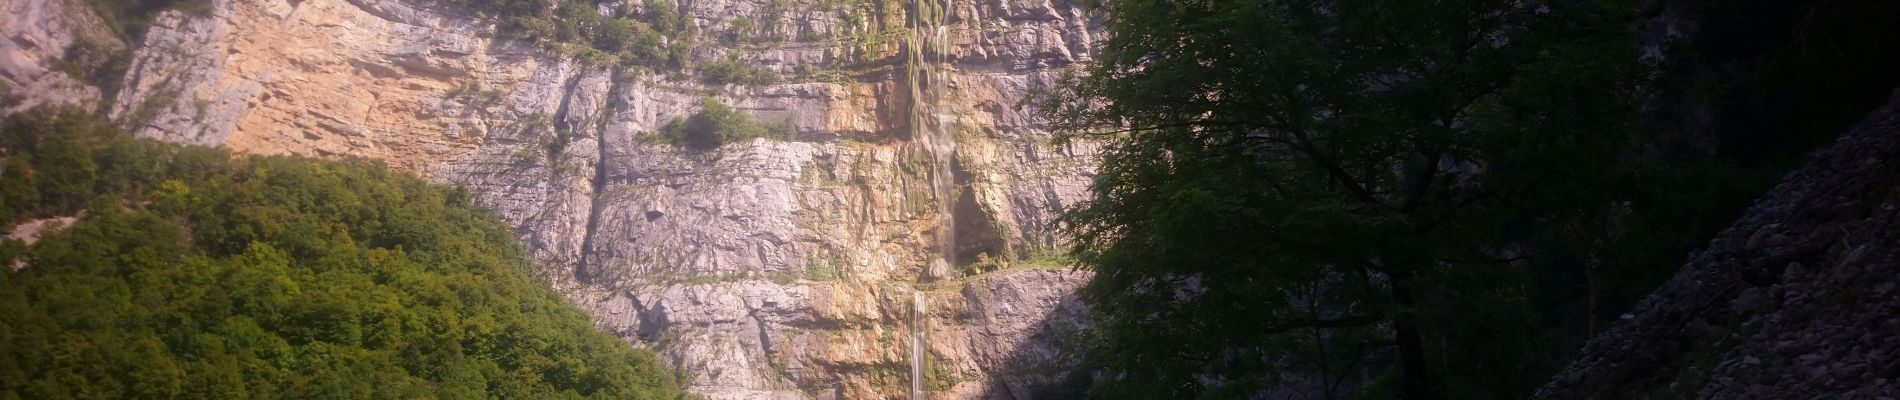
(37, 34)
(761, 269)
(1798, 299)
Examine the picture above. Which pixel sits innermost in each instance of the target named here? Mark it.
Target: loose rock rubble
(1797, 300)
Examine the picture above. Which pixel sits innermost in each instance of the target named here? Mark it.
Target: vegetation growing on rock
(129, 18)
(661, 38)
(103, 64)
(730, 70)
(716, 124)
(197, 274)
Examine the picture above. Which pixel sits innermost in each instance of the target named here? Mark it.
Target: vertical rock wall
(761, 269)
(34, 37)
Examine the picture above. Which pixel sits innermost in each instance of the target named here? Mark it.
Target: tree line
(193, 273)
(1418, 199)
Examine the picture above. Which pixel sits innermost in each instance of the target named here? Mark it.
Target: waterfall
(917, 345)
(925, 52)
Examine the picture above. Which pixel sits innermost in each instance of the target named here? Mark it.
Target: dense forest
(1442, 199)
(193, 273)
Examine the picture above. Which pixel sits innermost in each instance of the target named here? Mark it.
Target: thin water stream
(917, 345)
(925, 53)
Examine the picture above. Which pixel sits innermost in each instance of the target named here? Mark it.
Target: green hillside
(193, 273)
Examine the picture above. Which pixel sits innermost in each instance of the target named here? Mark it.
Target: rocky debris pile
(1797, 300)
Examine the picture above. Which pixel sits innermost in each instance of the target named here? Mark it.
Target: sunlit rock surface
(761, 269)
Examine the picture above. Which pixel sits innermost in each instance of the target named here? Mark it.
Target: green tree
(1295, 193)
(196, 274)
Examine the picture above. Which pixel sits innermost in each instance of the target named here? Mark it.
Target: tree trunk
(1417, 380)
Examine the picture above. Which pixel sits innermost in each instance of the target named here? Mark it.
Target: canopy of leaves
(1367, 197)
(196, 274)
(716, 124)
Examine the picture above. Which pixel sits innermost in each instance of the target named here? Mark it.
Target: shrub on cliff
(103, 64)
(129, 18)
(730, 70)
(657, 37)
(716, 124)
(192, 273)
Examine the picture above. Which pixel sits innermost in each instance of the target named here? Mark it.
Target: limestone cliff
(37, 35)
(761, 269)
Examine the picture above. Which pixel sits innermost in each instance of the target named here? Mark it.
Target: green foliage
(661, 39)
(982, 264)
(8, 98)
(1352, 188)
(1046, 260)
(743, 29)
(196, 274)
(152, 104)
(557, 147)
(822, 269)
(716, 124)
(50, 168)
(730, 70)
(475, 96)
(95, 63)
(869, 27)
(809, 73)
(104, 65)
(130, 18)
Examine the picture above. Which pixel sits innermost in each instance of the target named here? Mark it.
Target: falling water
(925, 53)
(917, 345)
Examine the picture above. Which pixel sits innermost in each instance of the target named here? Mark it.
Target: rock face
(37, 35)
(1800, 297)
(761, 269)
